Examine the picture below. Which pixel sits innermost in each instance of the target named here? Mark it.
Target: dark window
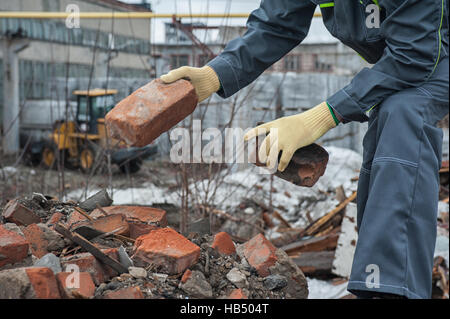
(292, 63)
(177, 60)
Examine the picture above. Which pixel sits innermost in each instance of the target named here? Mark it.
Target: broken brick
(144, 214)
(28, 283)
(237, 294)
(75, 217)
(166, 248)
(260, 254)
(43, 282)
(42, 239)
(86, 288)
(141, 219)
(88, 263)
(18, 214)
(307, 165)
(107, 224)
(186, 275)
(133, 292)
(13, 247)
(223, 244)
(150, 111)
(54, 219)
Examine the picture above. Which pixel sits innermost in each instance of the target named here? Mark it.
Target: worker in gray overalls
(402, 96)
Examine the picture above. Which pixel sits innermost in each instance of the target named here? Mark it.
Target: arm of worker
(273, 29)
(413, 38)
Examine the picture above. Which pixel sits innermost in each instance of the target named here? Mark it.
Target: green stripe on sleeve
(326, 5)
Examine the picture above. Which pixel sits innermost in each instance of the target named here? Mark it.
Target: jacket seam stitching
(392, 286)
(234, 72)
(395, 160)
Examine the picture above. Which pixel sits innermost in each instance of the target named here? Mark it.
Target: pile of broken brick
(55, 249)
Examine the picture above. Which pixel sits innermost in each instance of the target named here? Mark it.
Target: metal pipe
(115, 15)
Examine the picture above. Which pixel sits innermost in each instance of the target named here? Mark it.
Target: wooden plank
(315, 263)
(315, 227)
(323, 243)
(87, 245)
(82, 212)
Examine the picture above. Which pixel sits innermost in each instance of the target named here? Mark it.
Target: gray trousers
(398, 191)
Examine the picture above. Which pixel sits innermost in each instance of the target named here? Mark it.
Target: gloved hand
(292, 133)
(204, 80)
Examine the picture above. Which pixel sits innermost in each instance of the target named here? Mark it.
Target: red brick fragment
(141, 219)
(107, 224)
(68, 289)
(88, 263)
(164, 247)
(237, 294)
(307, 165)
(223, 244)
(42, 239)
(260, 254)
(75, 217)
(28, 283)
(133, 292)
(54, 219)
(13, 247)
(150, 111)
(37, 241)
(43, 282)
(187, 274)
(18, 214)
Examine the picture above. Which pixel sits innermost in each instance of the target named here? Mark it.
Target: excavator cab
(91, 107)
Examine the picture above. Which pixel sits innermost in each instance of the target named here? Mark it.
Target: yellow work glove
(204, 80)
(287, 134)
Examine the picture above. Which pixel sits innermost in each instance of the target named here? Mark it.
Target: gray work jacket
(411, 38)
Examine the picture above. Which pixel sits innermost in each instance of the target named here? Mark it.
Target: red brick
(223, 244)
(237, 294)
(35, 236)
(260, 254)
(54, 219)
(150, 111)
(16, 213)
(144, 214)
(13, 247)
(75, 217)
(133, 292)
(307, 165)
(138, 229)
(42, 239)
(166, 248)
(187, 274)
(141, 219)
(107, 224)
(43, 282)
(85, 290)
(88, 263)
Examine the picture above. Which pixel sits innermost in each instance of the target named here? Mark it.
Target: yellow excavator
(83, 142)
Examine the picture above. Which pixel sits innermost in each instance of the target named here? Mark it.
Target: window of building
(178, 60)
(292, 63)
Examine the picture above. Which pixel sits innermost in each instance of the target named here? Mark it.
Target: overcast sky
(317, 33)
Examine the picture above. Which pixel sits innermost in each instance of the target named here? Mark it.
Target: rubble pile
(53, 249)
